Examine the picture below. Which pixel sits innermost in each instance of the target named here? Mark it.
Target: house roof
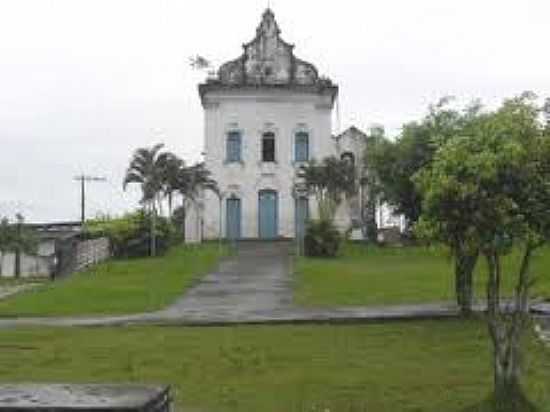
(55, 230)
(268, 61)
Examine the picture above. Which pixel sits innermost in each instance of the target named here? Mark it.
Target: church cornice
(268, 62)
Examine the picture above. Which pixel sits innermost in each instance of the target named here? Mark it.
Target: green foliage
(16, 237)
(161, 174)
(322, 239)
(170, 166)
(147, 169)
(491, 185)
(130, 234)
(329, 181)
(394, 162)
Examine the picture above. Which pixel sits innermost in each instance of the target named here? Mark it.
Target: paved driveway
(255, 282)
(255, 286)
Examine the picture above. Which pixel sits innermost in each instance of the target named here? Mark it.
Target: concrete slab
(541, 308)
(88, 397)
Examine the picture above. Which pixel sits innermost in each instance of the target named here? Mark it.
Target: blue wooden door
(268, 214)
(301, 216)
(233, 219)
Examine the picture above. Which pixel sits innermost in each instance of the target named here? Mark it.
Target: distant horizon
(86, 83)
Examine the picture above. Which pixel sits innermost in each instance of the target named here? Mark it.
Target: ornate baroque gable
(268, 60)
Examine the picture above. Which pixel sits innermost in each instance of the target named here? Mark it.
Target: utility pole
(83, 179)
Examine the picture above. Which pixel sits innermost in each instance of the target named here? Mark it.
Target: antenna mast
(83, 179)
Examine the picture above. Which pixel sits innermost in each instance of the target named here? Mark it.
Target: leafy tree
(16, 238)
(492, 185)
(393, 163)
(147, 169)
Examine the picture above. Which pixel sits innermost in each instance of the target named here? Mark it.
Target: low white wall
(87, 253)
(31, 266)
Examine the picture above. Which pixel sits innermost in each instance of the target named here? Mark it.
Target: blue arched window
(301, 147)
(233, 147)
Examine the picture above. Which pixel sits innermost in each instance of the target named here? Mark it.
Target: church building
(266, 113)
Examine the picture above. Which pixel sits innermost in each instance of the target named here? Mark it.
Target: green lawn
(379, 276)
(117, 286)
(430, 366)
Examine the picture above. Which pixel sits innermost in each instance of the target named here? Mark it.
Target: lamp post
(220, 195)
(300, 191)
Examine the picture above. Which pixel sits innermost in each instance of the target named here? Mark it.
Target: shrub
(322, 239)
(130, 234)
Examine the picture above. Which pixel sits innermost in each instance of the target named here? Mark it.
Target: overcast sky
(84, 83)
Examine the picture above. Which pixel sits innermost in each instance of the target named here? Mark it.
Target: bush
(322, 239)
(130, 234)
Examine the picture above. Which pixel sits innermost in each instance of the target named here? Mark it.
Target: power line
(83, 179)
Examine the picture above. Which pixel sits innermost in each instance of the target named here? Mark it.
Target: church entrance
(267, 215)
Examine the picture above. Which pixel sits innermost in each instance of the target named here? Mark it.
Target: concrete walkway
(254, 286)
(8, 290)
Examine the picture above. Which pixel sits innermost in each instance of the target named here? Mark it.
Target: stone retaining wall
(90, 252)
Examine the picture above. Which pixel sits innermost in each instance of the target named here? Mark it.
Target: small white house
(266, 113)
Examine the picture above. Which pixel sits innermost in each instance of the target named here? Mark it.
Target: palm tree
(147, 168)
(171, 166)
(330, 180)
(192, 180)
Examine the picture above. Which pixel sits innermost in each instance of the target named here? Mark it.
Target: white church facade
(266, 113)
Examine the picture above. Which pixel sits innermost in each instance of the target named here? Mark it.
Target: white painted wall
(281, 111)
(31, 266)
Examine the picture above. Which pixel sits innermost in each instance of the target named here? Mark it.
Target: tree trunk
(508, 392)
(153, 229)
(17, 263)
(170, 204)
(183, 228)
(160, 209)
(506, 330)
(369, 218)
(464, 270)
